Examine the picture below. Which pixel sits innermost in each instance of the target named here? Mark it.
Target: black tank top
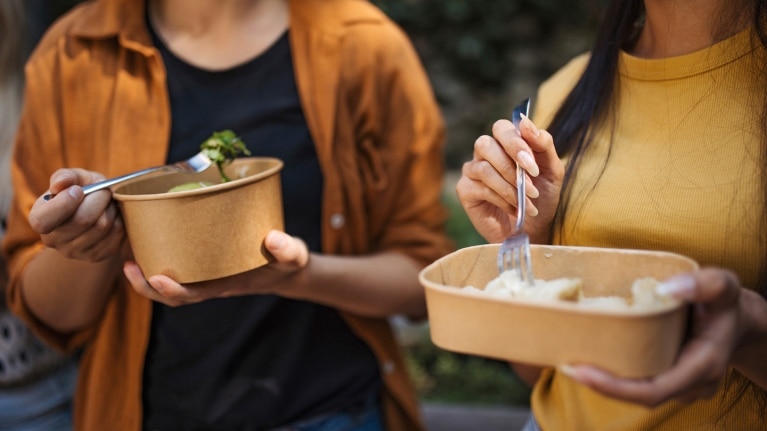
(254, 362)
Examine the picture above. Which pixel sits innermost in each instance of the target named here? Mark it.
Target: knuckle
(82, 220)
(483, 143)
(467, 168)
(484, 169)
(471, 169)
(501, 125)
(37, 225)
(546, 136)
(61, 174)
(462, 188)
(103, 225)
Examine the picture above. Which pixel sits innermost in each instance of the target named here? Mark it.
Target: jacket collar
(111, 18)
(317, 29)
(317, 14)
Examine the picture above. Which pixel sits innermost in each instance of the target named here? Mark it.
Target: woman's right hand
(79, 227)
(487, 187)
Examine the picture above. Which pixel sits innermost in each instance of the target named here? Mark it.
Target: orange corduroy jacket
(96, 98)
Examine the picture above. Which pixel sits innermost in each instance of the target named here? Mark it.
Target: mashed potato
(509, 285)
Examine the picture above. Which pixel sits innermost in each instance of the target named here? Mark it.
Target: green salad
(221, 148)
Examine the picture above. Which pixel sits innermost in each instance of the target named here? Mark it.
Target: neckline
(694, 63)
(167, 53)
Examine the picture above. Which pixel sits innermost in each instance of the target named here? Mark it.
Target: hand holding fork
(514, 253)
(490, 190)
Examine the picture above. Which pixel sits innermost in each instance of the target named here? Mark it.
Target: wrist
(749, 354)
(296, 282)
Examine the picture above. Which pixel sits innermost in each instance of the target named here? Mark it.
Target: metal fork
(193, 165)
(514, 253)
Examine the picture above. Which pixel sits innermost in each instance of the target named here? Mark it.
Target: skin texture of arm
(84, 237)
(749, 356)
(390, 281)
(729, 329)
(51, 300)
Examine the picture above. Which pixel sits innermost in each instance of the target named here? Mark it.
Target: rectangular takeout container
(626, 342)
(207, 233)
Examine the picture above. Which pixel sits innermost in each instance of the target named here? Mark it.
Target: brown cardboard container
(207, 233)
(629, 343)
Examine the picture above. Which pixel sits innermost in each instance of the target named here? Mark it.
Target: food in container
(206, 233)
(627, 341)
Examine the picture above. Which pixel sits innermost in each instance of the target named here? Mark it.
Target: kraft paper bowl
(626, 342)
(207, 233)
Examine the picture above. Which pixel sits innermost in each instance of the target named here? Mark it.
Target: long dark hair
(588, 107)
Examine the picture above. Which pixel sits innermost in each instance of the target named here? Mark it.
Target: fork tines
(515, 256)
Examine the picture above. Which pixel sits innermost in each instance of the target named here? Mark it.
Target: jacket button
(337, 221)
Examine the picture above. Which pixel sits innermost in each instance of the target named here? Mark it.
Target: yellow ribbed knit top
(682, 175)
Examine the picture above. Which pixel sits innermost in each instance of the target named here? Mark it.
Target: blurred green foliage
(475, 38)
(447, 377)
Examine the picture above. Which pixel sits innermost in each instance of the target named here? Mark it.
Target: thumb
(286, 248)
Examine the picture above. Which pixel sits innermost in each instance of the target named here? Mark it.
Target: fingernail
(528, 163)
(532, 191)
(532, 211)
(276, 240)
(681, 285)
(531, 125)
(568, 370)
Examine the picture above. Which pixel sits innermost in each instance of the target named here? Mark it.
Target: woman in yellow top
(663, 135)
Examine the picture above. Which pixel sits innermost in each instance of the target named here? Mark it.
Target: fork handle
(90, 188)
(521, 198)
(100, 185)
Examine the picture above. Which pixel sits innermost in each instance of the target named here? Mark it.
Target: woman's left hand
(725, 320)
(291, 256)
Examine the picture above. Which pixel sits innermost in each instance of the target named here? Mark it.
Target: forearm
(67, 294)
(375, 286)
(750, 356)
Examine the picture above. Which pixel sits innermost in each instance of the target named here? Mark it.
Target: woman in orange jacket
(331, 87)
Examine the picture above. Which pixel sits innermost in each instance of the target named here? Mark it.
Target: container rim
(275, 166)
(564, 306)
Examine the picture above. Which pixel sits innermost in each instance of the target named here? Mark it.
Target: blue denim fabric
(531, 424)
(44, 405)
(366, 418)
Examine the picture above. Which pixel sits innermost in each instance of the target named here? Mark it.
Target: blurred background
(482, 57)
(485, 56)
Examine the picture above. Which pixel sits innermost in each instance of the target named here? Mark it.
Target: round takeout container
(206, 233)
(627, 342)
